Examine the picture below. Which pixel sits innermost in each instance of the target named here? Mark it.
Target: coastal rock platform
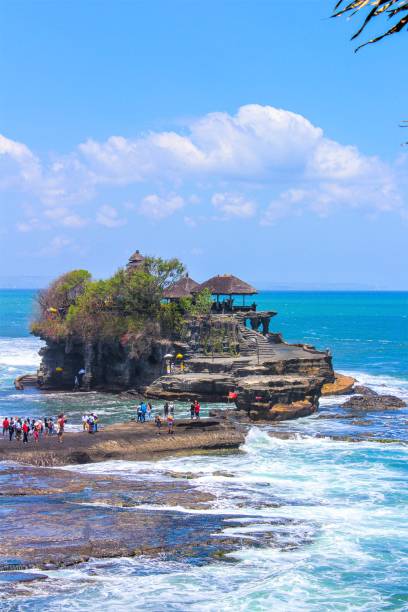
(66, 517)
(288, 374)
(128, 441)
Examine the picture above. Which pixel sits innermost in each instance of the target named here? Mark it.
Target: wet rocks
(106, 517)
(362, 390)
(13, 577)
(187, 386)
(341, 386)
(373, 402)
(283, 412)
(128, 441)
(278, 398)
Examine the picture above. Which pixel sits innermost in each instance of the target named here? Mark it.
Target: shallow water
(336, 508)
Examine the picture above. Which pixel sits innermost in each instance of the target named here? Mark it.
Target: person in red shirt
(197, 409)
(25, 429)
(60, 427)
(6, 425)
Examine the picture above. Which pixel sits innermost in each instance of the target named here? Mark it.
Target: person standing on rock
(6, 424)
(50, 426)
(76, 383)
(170, 424)
(197, 408)
(192, 410)
(81, 375)
(61, 426)
(26, 429)
(158, 423)
(11, 429)
(91, 424)
(37, 430)
(149, 411)
(18, 430)
(166, 409)
(171, 408)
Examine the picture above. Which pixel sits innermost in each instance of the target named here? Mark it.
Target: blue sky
(232, 135)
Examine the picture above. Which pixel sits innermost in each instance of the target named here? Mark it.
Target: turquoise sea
(346, 544)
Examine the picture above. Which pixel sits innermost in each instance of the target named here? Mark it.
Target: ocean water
(342, 541)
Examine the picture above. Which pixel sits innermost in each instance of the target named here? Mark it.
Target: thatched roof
(182, 288)
(227, 284)
(135, 260)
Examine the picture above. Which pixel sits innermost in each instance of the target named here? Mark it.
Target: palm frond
(374, 9)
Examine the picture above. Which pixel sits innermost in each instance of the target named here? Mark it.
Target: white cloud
(109, 217)
(260, 159)
(190, 221)
(19, 167)
(233, 205)
(55, 246)
(248, 145)
(63, 216)
(26, 227)
(374, 197)
(157, 207)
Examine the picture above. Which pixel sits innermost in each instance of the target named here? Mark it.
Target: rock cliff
(221, 355)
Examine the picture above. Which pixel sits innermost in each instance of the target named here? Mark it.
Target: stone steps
(255, 343)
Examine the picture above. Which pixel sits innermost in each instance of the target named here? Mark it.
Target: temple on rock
(226, 288)
(135, 261)
(185, 287)
(224, 348)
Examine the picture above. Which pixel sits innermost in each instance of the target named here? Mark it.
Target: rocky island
(150, 329)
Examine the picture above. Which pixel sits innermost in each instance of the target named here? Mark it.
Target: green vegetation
(121, 308)
(114, 309)
(175, 314)
(197, 307)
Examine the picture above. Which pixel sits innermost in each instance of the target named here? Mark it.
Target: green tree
(63, 292)
(125, 304)
(199, 305)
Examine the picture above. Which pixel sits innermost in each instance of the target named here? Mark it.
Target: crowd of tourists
(145, 413)
(90, 422)
(26, 429)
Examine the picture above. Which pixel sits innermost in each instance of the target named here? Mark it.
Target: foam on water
(338, 521)
(20, 352)
(383, 384)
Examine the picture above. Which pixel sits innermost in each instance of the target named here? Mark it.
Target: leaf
(374, 8)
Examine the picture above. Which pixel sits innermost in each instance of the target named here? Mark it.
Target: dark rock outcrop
(108, 365)
(362, 390)
(220, 355)
(373, 402)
